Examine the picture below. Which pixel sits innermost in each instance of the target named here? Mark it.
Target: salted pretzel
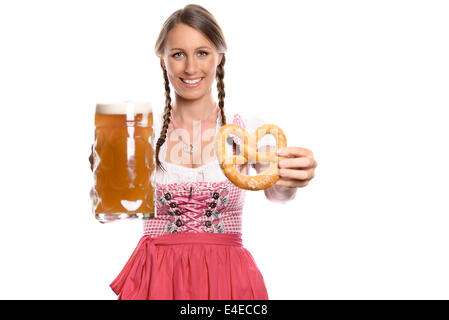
(248, 152)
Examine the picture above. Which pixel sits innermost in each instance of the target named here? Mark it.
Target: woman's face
(191, 61)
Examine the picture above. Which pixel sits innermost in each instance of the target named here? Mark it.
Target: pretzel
(248, 153)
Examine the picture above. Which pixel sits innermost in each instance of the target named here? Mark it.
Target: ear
(220, 57)
(163, 64)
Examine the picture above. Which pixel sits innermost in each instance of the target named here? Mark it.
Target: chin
(192, 95)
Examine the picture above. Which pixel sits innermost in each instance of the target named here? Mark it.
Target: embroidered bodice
(197, 207)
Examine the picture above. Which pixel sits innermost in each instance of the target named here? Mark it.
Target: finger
(301, 162)
(295, 152)
(291, 183)
(297, 174)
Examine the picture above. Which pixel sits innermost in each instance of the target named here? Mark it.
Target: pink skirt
(190, 266)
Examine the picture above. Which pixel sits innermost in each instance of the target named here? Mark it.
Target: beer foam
(124, 108)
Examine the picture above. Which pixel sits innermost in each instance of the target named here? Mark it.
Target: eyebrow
(203, 47)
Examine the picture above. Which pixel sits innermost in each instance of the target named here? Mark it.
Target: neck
(185, 112)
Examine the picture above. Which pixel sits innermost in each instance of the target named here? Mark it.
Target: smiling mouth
(194, 81)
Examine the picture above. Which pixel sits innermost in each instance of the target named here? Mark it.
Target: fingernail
(281, 163)
(280, 152)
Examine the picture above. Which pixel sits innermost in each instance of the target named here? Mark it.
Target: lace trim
(194, 186)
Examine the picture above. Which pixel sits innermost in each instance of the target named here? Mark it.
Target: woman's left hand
(296, 167)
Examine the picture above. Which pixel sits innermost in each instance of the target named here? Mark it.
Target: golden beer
(123, 162)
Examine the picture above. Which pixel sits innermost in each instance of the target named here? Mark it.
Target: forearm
(280, 194)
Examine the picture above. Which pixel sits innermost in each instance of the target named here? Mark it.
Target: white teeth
(191, 81)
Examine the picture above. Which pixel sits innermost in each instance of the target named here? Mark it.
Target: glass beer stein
(123, 162)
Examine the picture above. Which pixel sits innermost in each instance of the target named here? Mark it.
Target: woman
(193, 249)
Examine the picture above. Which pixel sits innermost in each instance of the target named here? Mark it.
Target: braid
(220, 87)
(166, 117)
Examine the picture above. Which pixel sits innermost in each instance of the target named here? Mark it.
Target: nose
(191, 65)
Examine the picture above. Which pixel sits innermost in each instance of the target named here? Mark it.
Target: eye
(203, 55)
(175, 55)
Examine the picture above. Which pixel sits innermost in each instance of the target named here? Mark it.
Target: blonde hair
(202, 20)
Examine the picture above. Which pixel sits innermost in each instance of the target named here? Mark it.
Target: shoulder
(249, 121)
(252, 122)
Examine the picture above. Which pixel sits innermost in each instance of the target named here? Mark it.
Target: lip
(187, 85)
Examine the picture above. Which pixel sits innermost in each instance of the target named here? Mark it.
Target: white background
(363, 84)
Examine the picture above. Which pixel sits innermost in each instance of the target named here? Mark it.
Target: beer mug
(123, 162)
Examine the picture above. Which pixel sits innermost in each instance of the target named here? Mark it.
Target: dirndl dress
(192, 249)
